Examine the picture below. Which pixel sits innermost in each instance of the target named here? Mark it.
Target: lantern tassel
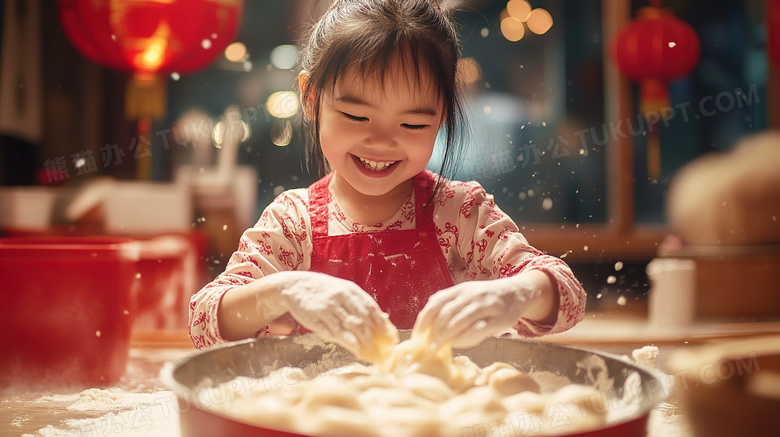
(143, 157)
(654, 154)
(145, 96)
(654, 94)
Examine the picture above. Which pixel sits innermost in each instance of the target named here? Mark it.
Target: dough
(415, 392)
(730, 198)
(506, 379)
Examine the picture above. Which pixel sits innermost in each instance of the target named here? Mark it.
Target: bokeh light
(512, 29)
(468, 71)
(539, 21)
(218, 134)
(236, 52)
(220, 129)
(519, 15)
(519, 9)
(282, 133)
(284, 57)
(282, 104)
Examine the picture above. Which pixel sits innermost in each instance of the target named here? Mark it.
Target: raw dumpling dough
(415, 391)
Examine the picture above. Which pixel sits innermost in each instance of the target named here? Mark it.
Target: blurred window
(531, 107)
(547, 139)
(541, 137)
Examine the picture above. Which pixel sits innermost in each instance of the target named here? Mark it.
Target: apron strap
(423, 188)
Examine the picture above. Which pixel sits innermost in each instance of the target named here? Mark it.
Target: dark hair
(368, 35)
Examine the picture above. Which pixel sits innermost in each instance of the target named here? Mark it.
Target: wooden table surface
(137, 405)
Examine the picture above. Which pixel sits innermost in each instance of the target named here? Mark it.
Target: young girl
(380, 237)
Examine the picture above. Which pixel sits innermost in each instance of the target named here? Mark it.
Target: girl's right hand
(339, 311)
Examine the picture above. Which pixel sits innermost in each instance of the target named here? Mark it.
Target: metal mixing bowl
(630, 391)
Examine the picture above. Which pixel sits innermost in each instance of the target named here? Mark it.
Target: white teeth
(374, 165)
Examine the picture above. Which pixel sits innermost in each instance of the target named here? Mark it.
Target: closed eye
(415, 126)
(354, 117)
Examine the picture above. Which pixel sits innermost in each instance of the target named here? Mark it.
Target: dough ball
(427, 387)
(333, 421)
(588, 397)
(506, 379)
(390, 397)
(330, 391)
(408, 421)
(479, 400)
(730, 198)
(526, 402)
(463, 374)
(646, 355)
(364, 382)
(265, 411)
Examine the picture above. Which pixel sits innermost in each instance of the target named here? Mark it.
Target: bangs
(420, 66)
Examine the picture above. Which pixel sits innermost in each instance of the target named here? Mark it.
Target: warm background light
(519, 9)
(284, 57)
(282, 133)
(519, 15)
(512, 29)
(151, 58)
(468, 70)
(236, 52)
(282, 104)
(539, 21)
(220, 129)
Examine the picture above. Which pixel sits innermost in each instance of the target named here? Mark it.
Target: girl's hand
(340, 311)
(467, 313)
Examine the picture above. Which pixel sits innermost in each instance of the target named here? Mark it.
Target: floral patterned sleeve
(279, 241)
(490, 246)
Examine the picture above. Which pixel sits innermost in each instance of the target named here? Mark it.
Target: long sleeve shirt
(477, 239)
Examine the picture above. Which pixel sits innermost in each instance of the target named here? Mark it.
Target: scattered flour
(646, 356)
(119, 413)
(114, 424)
(95, 399)
(666, 420)
(18, 421)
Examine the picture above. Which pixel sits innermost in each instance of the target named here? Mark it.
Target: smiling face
(378, 134)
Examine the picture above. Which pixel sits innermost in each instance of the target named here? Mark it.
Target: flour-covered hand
(467, 313)
(340, 311)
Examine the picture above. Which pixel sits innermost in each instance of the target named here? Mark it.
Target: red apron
(401, 269)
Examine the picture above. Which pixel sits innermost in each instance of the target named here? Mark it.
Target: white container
(148, 208)
(212, 189)
(672, 299)
(29, 207)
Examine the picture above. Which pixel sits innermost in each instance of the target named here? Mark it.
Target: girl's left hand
(469, 312)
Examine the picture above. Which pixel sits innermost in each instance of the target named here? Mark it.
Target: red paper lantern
(653, 50)
(151, 36)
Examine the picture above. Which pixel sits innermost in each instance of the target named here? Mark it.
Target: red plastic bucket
(66, 313)
(169, 274)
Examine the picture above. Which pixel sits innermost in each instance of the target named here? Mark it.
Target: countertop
(139, 404)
